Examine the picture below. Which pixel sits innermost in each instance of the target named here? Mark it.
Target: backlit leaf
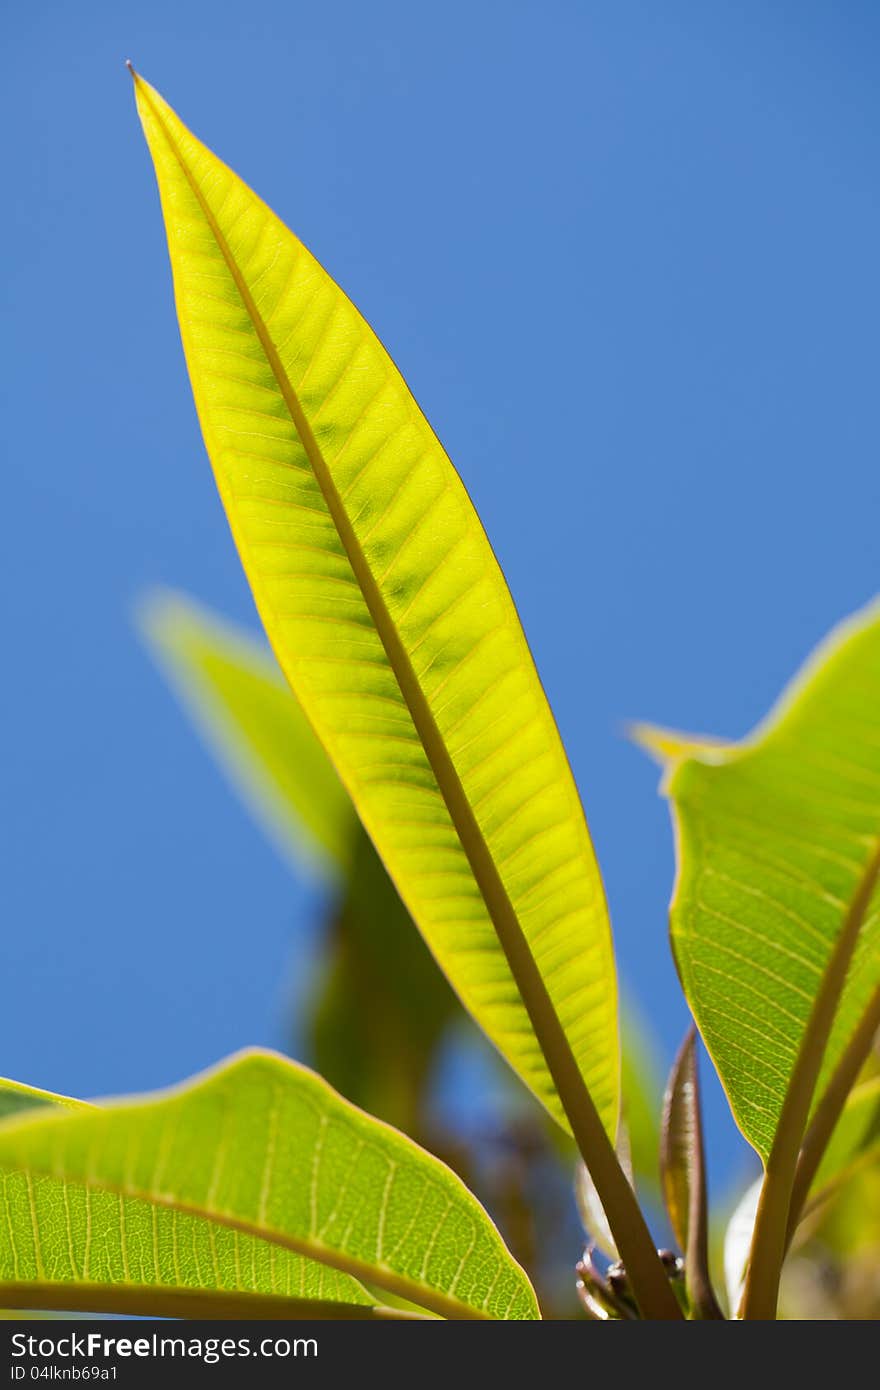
(774, 836)
(642, 1094)
(389, 616)
(265, 1150)
(70, 1244)
(380, 1008)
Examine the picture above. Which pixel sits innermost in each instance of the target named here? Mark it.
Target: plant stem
(637, 1250)
(769, 1242)
(828, 1111)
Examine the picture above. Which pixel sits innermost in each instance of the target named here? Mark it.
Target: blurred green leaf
(642, 1093)
(240, 702)
(380, 1007)
(267, 1150)
(855, 1144)
(683, 1172)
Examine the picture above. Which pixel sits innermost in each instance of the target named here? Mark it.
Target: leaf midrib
(769, 1242)
(168, 1300)
(377, 1274)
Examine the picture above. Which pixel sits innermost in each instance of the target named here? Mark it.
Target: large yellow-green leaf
(267, 1152)
(774, 836)
(73, 1243)
(389, 616)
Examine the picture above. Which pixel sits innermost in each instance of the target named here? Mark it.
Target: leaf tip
(649, 738)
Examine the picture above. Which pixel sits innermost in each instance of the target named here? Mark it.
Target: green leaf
(775, 836)
(71, 1244)
(855, 1143)
(642, 1090)
(266, 1151)
(683, 1173)
(379, 1010)
(857, 1059)
(392, 621)
(381, 1007)
(239, 700)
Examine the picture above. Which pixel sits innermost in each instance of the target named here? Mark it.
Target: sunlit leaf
(850, 1223)
(380, 1008)
(70, 1243)
(390, 617)
(642, 1094)
(774, 837)
(264, 1149)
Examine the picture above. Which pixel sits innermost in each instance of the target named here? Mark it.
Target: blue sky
(626, 255)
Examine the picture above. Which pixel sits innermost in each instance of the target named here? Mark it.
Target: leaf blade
(240, 702)
(319, 450)
(242, 1148)
(66, 1246)
(774, 837)
(854, 1145)
(378, 1012)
